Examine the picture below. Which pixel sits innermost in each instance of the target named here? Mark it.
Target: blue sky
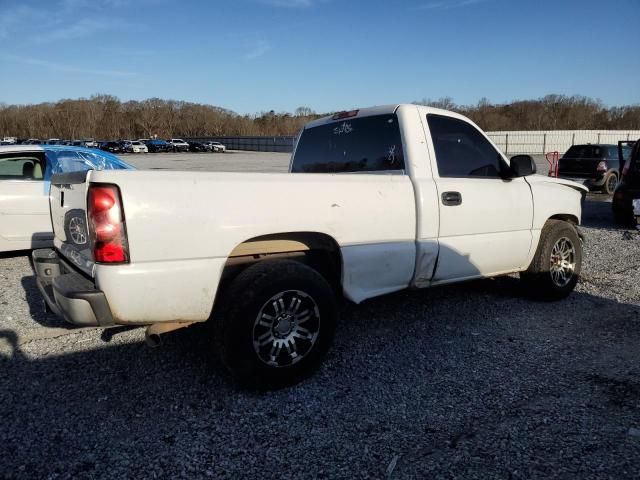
(258, 55)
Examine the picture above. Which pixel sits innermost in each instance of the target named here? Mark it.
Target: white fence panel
(540, 142)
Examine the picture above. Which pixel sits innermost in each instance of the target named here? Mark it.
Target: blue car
(25, 179)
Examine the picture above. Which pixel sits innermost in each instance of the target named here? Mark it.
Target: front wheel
(276, 323)
(555, 268)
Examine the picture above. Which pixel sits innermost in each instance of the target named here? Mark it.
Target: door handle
(451, 199)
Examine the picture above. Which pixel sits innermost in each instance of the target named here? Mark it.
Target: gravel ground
(466, 381)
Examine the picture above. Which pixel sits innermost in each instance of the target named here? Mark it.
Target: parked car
(112, 147)
(155, 146)
(25, 177)
(595, 165)
(628, 190)
(134, 146)
(376, 200)
(198, 147)
(178, 145)
(32, 141)
(53, 141)
(216, 147)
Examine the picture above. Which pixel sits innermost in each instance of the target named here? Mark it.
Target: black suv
(629, 188)
(597, 166)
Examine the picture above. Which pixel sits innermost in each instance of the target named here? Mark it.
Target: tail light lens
(602, 167)
(107, 225)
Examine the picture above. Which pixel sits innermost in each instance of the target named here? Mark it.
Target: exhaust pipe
(154, 332)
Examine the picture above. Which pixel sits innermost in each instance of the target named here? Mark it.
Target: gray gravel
(467, 381)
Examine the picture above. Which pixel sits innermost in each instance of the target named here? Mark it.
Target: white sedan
(215, 147)
(25, 177)
(134, 146)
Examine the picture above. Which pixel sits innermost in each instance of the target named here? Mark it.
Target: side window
(367, 144)
(461, 150)
(21, 167)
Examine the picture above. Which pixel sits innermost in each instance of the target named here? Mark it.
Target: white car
(25, 174)
(215, 147)
(134, 146)
(376, 200)
(178, 145)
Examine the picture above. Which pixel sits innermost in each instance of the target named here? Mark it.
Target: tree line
(106, 117)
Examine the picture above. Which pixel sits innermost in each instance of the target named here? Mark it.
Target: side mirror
(522, 165)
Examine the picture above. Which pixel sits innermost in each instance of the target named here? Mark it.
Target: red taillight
(107, 225)
(602, 167)
(341, 115)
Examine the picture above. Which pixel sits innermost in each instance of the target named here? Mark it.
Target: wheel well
(566, 217)
(317, 250)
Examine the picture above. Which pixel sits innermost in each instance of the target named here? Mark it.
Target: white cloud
(447, 4)
(81, 28)
(60, 20)
(258, 49)
(13, 19)
(288, 3)
(63, 67)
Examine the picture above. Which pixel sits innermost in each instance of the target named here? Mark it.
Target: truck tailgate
(68, 205)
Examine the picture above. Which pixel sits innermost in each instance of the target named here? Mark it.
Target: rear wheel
(275, 324)
(555, 268)
(610, 183)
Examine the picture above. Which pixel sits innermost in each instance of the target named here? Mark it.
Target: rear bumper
(68, 293)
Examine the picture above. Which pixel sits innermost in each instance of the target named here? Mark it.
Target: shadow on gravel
(468, 380)
(16, 253)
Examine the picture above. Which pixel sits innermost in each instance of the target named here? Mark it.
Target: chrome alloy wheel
(286, 328)
(563, 262)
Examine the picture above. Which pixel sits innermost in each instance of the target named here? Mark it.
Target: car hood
(544, 179)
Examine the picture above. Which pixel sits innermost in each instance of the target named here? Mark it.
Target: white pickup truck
(376, 200)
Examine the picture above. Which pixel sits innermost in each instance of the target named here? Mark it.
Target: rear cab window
(351, 145)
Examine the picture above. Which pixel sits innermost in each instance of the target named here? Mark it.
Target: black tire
(540, 279)
(239, 323)
(610, 183)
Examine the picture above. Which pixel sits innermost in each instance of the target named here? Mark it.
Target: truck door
(485, 220)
